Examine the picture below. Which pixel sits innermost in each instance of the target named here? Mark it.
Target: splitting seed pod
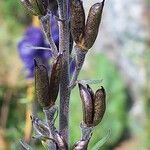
(47, 91)
(77, 20)
(94, 105)
(87, 103)
(92, 25)
(36, 7)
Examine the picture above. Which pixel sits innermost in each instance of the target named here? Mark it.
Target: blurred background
(120, 57)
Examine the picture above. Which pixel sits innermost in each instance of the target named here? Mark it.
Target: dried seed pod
(55, 78)
(87, 104)
(27, 5)
(42, 85)
(37, 7)
(99, 105)
(92, 25)
(77, 20)
(81, 145)
(90, 91)
(40, 6)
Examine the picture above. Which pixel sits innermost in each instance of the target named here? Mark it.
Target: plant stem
(45, 22)
(64, 90)
(80, 57)
(49, 113)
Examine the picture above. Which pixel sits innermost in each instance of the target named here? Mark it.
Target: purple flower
(33, 36)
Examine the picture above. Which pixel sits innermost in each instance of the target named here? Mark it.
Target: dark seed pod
(81, 145)
(42, 85)
(92, 25)
(77, 20)
(55, 78)
(28, 6)
(90, 91)
(36, 7)
(40, 6)
(87, 105)
(99, 106)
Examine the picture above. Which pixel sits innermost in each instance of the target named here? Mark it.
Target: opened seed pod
(87, 105)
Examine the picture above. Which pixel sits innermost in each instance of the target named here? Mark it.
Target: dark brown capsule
(42, 85)
(29, 7)
(77, 20)
(87, 105)
(55, 78)
(40, 6)
(90, 91)
(36, 7)
(99, 105)
(92, 25)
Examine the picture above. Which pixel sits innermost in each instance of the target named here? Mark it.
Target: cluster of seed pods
(47, 83)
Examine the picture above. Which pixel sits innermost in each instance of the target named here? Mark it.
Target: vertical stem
(46, 25)
(64, 90)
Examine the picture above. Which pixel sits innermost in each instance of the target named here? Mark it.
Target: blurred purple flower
(33, 36)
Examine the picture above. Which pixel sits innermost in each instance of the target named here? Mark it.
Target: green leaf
(101, 142)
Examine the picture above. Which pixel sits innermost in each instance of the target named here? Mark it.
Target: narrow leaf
(102, 141)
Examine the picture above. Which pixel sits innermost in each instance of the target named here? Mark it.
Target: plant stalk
(65, 76)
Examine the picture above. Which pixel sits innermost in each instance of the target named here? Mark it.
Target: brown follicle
(55, 78)
(92, 25)
(87, 104)
(99, 105)
(77, 20)
(42, 85)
